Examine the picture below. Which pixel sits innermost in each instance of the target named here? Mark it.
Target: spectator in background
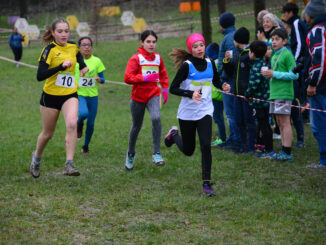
(281, 90)
(260, 18)
(15, 42)
(269, 23)
(258, 87)
(316, 18)
(217, 98)
(227, 21)
(298, 33)
(238, 67)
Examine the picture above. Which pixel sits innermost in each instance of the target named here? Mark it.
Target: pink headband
(194, 38)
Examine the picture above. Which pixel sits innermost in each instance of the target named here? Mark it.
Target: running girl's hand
(196, 96)
(98, 79)
(226, 87)
(151, 77)
(165, 95)
(83, 71)
(67, 63)
(267, 73)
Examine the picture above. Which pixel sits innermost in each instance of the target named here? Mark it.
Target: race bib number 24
(86, 82)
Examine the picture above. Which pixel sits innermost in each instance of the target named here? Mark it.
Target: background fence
(163, 16)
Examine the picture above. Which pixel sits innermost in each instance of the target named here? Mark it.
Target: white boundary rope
(240, 96)
(272, 102)
(35, 67)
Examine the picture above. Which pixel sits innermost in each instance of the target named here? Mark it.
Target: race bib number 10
(86, 82)
(65, 80)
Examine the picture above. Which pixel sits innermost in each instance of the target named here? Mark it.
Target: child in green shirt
(281, 90)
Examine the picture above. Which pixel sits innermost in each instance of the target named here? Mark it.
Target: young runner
(88, 90)
(144, 71)
(57, 66)
(193, 82)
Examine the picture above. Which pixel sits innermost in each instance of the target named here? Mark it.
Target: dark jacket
(316, 44)
(298, 36)
(15, 40)
(239, 68)
(226, 44)
(258, 86)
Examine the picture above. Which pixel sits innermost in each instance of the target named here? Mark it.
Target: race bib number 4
(65, 80)
(87, 82)
(146, 70)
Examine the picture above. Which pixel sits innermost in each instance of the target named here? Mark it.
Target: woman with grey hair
(269, 24)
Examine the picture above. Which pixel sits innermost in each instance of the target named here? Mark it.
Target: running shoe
(168, 140)
(85, 149)
(157, 159)
(207, 189)
(34, 168)
(129, 164)
(266, 155)
(299, 144)
(217, 142)
(282, 156)
(70, 169)
(316, 166)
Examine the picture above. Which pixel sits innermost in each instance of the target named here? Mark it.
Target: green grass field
(257, 202)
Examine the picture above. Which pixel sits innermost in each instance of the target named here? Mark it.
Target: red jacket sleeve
(133, 74)
(164, 79)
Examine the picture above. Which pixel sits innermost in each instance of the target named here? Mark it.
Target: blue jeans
(219, 118)
(87, 109)
(228, 102)
(318, 122)
(246, 123)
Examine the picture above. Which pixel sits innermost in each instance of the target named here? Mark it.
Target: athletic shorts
(282, 107)
(55, 101)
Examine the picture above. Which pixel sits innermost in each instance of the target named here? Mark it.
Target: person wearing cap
(315, 16)
(227, 21)
(238, 67)
(193, 82)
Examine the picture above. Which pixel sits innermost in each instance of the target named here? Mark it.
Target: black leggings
(262, 115)
(187, 142)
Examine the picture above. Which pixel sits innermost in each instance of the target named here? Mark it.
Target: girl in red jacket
(144, 71)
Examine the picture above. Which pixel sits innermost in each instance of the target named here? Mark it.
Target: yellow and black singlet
(59, 80)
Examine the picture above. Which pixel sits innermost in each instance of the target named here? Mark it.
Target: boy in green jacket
(281, 90)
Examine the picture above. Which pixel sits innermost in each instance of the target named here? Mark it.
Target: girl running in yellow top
(57, 65)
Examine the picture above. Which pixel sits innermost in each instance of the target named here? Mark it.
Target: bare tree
(23, 8)
(221, 6)
(258, 6)
(206, 21)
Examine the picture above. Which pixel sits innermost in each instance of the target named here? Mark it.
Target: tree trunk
(23, 8)
(206, 21)
(258, 6)
(221, 6)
